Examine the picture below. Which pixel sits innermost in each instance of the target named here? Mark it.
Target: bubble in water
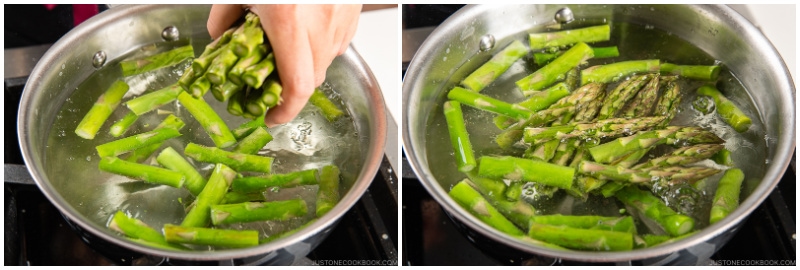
(88, 158)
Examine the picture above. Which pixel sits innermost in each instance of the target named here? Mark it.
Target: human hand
(304, 40)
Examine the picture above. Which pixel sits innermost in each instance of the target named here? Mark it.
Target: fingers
(222, 17)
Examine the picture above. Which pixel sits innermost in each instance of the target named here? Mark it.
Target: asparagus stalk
(731, 114)
(235, 103)
(208, 119)
(250, 37)
(478, 206)
(328, 108)
(236, 197)
(674, 174)
(220, 42)
(569, 37)
(150, 101)
(252, 184)
(137, 229)
(707, 73)
(608, 128)
(147, 173)
(235, 74)
(254, 75)
(726, 198)
(157, 61)
(187, 79)
(621, 95)
(673, 135)
(682, 156)
(462, 147)
(218, 70)
(514, 191)
(617, 224)
(212, 194)
(121, 126)
(101, 110)
(723, 157)
(200, 87)
(642, 104)
(669, 102)
(573, 79)
(237, 161)
(200, 64)
(544, 151)
(495, 67)
(248, 127)
(518, 212)
(253, 104)
(518, 169)
(543, 58)
(614, 72)
(271, 96)
(171, 159)
(536, 102)
(140, 154)
(584, 239)
(253, 142)
(555, 71)
(127, 144)
(257, 211)
(328, 193)
(226, 90)
(211, 237)
(652, 207)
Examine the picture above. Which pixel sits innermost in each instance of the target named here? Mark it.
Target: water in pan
(308, 142)
(635, 42)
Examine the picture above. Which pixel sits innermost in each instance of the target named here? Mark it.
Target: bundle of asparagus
(588, 141)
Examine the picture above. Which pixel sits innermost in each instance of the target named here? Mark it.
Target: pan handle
(18, 174)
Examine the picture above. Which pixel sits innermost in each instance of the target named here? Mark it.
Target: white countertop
(778, 23)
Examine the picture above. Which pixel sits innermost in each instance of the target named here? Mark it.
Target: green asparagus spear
(211, 237)
(652, 207)
(673, 135)
(255, 75)
(236, 197)
(536, 102)
(251, 36)
(584, 239)
(208, 119)
(555, 71)
(218, 43)
(218, 69)
(121, 126)
(224, 91)
(147, 173)
(150, 101)
(328, 108)
(248, 127)
(726, 109)
(252, 184)
(200, 87)
(495, 67)
(518, 169)
(137, 229)
(328, 193)
(253, 142)
(253, 104)
(621, 95)
(708, 73)
(257, 211)
(157, 61)
(682, 156)
(723, 157)
(127, 144)
(514, 191)
(614, 72)
(569, 37)
(200, 64)
(674, 174)
(608, 128)
(171, 121)
(212, 194)
(271, 96)
(543, 152)
(669, 102)
(518, 212)
(101, 110)
(617, 224)
(642, 104)
(543, 58)
(235, 103)
(237, 161)
(171, 159)
(726, 198)
(462, 147)
(478, 206)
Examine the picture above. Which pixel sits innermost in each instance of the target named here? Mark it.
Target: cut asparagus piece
(101, 110)
(555, 71)
(171, 121)
(127, 144)
(271, 96)
(723, 157)
(236, 197)
(248, 127)
(672, 135)
(328, 108)
(257, 211)
(514, 191)
(121, 126)
(674, 174)
(225, 91)
(171, 159)
(518, 169)
(478, 206)
(536, 102)
(614, 72)
(608, 128)
(137, 229)
(251, 36)
(212, 194)
(187, 79)
(253, 104)
(652, 207)
(151, 101)
(569, 37)
(542, 59)
(518, 212)
(217, 72)
(235, 103)
(496, 66)
(200, 64)
(254, 75)
(707, 73)
(621, 95)
(731, 114)
(147, 173)
(617, 224)
(253, 142)
(682, 156)
(157, 61)
(642, 104)
(726, 198)
(252, 184)
(669, 102)
(583, 239)
(211, 237)
(237, 161)
(208, 119)
(459, 138)
(200, 87)
(328, 193)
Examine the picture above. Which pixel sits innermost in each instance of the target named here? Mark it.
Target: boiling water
(308, 142)
(635, 42)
